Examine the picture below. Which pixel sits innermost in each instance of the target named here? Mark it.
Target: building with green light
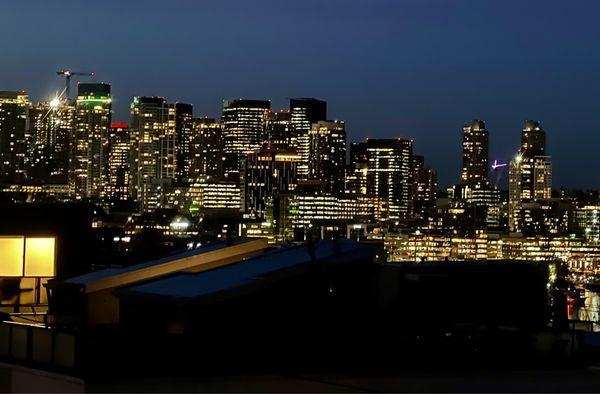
(89, 153)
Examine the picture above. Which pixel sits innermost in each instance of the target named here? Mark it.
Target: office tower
(358, 153)
(356, 178)
(183, 137)
(119, 149)
(327, 154)
(243, 123)
(548, 217)
(356, 170)
(533, 139)
(484, 201)
(206, 149)
(90, 143)
(153, 150)
(530, 173)
(303, 113)
(215, 196)
(586, 221)
(266, 174)
(279, 133)
(51, 125)
(529, 179)
(389, 175)
(475, 153)
(13, 146)
(424, 189)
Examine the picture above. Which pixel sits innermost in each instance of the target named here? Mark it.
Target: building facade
(243, 123)
(119, 150)
(530, 173)
(304, 112)
(266, 174)
(51, 125)
(327, 154)
(389, 175)
(151, 144)
(183, 138)
(14, 107)
(475, 153)
(89, 152)
(206, 149)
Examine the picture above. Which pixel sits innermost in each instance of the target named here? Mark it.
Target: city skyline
(414, 80)
(450, 180)
(312, 195)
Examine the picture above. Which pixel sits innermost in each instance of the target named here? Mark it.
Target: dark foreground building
(323, 308)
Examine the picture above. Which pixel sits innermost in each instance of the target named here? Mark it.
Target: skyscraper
(424, 188)
(327, 154)
(206, 149)
(51, 125)
(149, 121)
(475, 153)
(303, 113)
(279, 130)
(533, 139)
(357, 169)
(243, 123)
(266, 174)
(119, 148)
(183, 138)
(13, 120)
(389, 175)
(90, 143)
(530, 173)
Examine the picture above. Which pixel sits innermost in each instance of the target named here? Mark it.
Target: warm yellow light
(55, 103)
(39, 256)
(11, 256)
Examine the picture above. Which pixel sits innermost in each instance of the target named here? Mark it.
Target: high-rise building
(14, 107)
(357, 169)
(586, 221)
(481, 196)
(533, 139)
(389, 175)
(243, 123)
(303, 113)
(356, 178)
(279, 131)
(475, 153)
(206, 149)
(119, 147)
(530, 174)
(327, 157)
(153, 150)
(89, 151)
(424, 189)
(183, 137)
(51, 125)
(266, 174)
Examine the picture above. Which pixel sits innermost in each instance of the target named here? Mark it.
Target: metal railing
(38, 346)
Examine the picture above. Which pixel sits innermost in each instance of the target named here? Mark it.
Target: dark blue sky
(413, 68)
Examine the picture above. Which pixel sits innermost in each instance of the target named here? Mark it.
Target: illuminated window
(39, 257)
(11, 256)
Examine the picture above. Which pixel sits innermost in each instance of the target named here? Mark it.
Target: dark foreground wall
(354, 316)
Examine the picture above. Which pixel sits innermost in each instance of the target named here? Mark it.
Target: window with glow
(39, 256)
(11, 256)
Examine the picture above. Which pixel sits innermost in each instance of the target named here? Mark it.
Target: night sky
(416, 68)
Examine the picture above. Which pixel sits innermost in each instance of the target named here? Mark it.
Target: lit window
(11, 250)
(39, 257)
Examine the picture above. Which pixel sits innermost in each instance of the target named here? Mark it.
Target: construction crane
(498, 169)
(68, 74)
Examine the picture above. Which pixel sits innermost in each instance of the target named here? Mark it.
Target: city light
(54, 103)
